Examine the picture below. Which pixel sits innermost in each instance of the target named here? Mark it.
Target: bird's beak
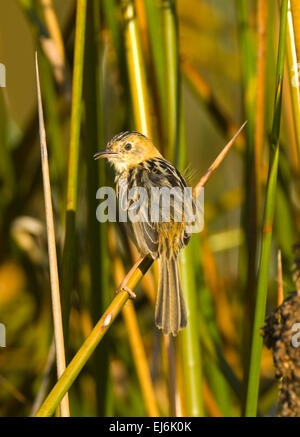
(105, 153)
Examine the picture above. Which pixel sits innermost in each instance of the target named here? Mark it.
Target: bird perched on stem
(138, 164)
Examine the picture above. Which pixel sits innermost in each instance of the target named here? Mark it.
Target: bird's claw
(131, 293)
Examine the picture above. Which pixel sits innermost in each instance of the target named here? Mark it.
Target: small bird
(138, 163)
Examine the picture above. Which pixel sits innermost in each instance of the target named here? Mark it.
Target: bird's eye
(128, 146)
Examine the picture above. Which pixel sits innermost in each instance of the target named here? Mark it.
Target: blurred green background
(216, 61)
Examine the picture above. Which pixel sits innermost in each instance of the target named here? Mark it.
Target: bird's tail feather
(170, 314)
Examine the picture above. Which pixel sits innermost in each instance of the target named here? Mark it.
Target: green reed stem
(72, 194)
(190, 351)
(110, 9)
(189, 343)
(90, 344)
(171, 76)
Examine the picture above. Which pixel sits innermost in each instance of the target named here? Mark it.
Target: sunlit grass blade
(55, 292)
(136, 70)
(262, 283)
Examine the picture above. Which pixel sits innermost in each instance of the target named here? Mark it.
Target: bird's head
(127, 150)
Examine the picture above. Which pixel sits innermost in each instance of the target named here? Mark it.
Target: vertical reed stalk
(55, 293)
(136, 70)
(69, 252)
(170, 35)
(189, 340)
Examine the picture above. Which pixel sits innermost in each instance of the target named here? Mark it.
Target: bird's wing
(155, 219)
(178, 206)
(136, 205)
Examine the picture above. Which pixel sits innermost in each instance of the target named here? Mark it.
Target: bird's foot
(131, 293)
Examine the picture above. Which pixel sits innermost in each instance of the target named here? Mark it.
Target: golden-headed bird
(138, 163)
